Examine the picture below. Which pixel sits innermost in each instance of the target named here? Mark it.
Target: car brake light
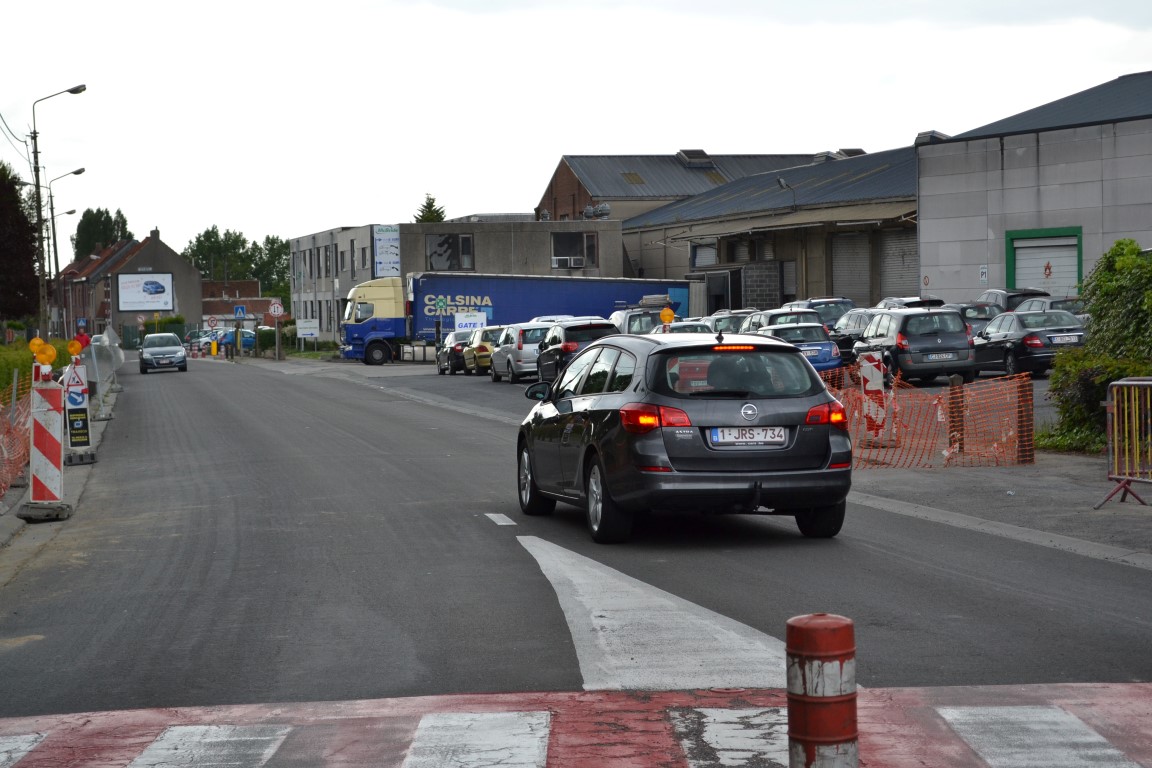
(458, 348)
(835, 350)
(832, 413)
(901, 341)
(520, 340)
(1032, 340)
(569, 347)
(639, 418)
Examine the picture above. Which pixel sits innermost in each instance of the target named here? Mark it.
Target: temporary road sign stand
(879, 421)
(46, 458)
(76, 403)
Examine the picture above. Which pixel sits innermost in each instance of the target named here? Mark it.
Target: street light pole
(52, 215)
(43, 320)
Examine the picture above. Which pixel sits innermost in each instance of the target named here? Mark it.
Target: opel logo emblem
(749, 412)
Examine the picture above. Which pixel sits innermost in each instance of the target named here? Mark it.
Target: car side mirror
(540, 391)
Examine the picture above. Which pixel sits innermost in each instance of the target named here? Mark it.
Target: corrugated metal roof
(653, 177)
(841, 214)
(881, 176)
(1126, 98)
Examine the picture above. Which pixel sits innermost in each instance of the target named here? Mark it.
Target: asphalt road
(276, 532)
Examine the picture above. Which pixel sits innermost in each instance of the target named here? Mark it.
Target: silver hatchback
(516, 351)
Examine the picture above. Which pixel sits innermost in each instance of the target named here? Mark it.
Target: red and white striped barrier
(46, 458)
(878, 403)
(822, 727)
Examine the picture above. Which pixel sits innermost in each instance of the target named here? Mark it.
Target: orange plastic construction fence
(986, 423)
(15, 419)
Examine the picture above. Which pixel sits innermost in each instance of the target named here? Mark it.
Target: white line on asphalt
(1019, 737)
(1107, 552)
(13, 748)
(244, 746)
(632, 636)
(500, 519)
(733, 737)
(479, 740)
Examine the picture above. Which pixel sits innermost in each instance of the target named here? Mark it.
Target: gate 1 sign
(470, 321)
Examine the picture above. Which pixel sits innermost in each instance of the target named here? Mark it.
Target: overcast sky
(301, 117)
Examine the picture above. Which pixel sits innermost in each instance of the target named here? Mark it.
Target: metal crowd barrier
(1129, 409)
(102, 358)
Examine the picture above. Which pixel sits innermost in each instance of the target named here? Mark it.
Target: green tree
(429, 211)
(98, 229)
(19, 285)
(221, 257)
(270, 265)
(1118, 294)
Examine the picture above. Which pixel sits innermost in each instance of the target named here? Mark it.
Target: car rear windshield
(935, 323)
(1054, 319)
(584, 333)
(830, 313)
(1075, 306)
(794, 334)
(532, 335)
(639, 324)
(729, 323)
(716, 372)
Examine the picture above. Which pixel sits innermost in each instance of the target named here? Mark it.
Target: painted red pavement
(898, 727)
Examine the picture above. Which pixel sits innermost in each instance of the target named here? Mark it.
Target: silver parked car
(516, 351)
(161, 351)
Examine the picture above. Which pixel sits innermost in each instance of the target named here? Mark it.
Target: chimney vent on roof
(930, 137)
(852, 152)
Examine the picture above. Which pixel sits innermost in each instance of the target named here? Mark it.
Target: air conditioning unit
(567, 262)
(559, 262)
(576, 262)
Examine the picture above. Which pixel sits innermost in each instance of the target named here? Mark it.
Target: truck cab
(373, 321)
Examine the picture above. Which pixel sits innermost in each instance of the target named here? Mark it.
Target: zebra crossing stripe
(480, 740)
(1019, 737)
(13, 748)
(713, 738)
(243, 746)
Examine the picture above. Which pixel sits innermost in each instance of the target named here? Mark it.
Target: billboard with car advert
(145, 292)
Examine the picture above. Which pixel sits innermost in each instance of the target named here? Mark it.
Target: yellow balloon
(74, 347)
(35, 344)
(46, 355)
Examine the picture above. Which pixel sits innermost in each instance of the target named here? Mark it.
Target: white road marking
(713, 738)
(632, 636)
(13, 748)
(243, 746)
(500, 519)
(478, 740)
(1007, 531)
(1021, 737)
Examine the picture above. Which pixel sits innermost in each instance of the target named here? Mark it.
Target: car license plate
(1064, 339)
(749, 435)
(165, 362)
(811, 353)
(941, 356)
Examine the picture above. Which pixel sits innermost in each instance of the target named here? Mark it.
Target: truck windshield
(363, 312)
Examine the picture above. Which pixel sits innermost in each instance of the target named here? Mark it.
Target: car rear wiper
(721, 393)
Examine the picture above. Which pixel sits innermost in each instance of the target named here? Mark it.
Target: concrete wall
(1095, 178)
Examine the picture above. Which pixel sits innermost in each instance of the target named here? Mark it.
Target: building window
(363, 257)
(574, 250)
(449, 252)
(327, 261)
(311, 268)
(341, 269)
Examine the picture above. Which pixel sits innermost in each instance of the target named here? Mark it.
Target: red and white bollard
(822, 733)
(46, 459)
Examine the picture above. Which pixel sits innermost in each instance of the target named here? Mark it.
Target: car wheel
(532, 502)
(440, 369)
(451, 369)
(467, 370)
(607, 522)
(969, 376)
(494, 374)
(143, 370)
(821, 522)
(513, 378)
(184, 369)
(1011, 364)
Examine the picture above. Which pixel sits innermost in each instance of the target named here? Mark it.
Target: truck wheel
(378, 354)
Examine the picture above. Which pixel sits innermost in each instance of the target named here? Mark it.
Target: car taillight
(832, 413)
(569, 347)
(901, 341)
(481, 347)
(835, 350)
(971, 341)
(520, 340)
(458, 348)
(639, 418)
(1032, 340)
